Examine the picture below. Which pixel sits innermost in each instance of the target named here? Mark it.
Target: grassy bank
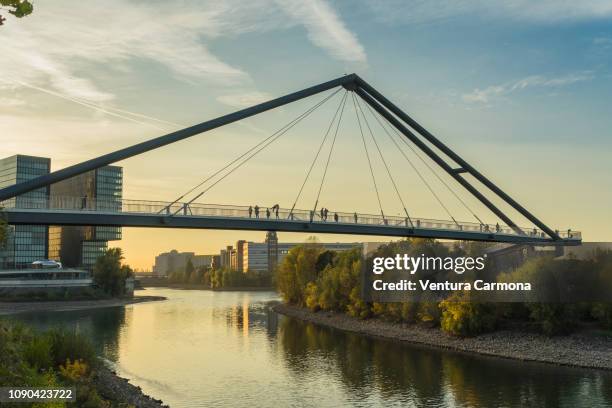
(53, 359)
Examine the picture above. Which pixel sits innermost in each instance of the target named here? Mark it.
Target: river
(227, 349)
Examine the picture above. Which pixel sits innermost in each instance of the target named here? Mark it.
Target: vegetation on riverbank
(323, 280)
(51, 359)
(219, 278)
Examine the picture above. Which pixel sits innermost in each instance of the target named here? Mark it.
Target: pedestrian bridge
(140, 213)
(379, 126)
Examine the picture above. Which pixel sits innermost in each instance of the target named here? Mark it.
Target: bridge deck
(133, 213)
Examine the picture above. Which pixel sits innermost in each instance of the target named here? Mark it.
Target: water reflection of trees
(427, 377)
(101, 326)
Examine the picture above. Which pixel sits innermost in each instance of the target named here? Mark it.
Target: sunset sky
(521, 89)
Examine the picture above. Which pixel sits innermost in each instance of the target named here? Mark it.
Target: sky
(522, 90)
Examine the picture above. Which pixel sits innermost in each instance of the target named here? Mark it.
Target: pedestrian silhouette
(250, 211)
(322, 214)
(355, 216)
(325, 213)
(336, 217)
(267, 213)
(83, 202)
(311, 215)
(275, 208)
(256, 211)
(497, 228)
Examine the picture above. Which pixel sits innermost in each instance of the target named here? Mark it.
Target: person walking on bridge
(336, 217)
(256, 211)
(326, 211)
(322, 213)
(267, 213)
(275, 208)
(355, 216)
(311, 215)
(250, 211)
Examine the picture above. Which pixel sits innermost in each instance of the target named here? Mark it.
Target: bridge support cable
(331, 150)
(384, 112)
(366, 91)
(290, 123)
(419, 174)
(431, 169)
(268, 143)
(435, 173)
(331, 124)
(399, 196)
(155, 143)
(365, 147)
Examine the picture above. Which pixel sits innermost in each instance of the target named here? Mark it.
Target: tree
(18, 8)
(110, 274)
(189, 270)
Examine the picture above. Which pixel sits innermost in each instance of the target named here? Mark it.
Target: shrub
(37, 352)
(74, 370)
(553, 318)
(603, 313)
(71, 346)
(463, 317)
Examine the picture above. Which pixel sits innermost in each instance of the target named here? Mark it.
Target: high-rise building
(25, 243)
(99, 190)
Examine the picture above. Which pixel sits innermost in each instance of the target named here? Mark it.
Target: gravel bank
(7, 308)
(578, 350)
(118, 389)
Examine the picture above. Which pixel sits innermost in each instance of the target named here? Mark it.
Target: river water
(227, 349)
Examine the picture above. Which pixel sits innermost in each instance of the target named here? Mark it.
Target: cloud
(487, 94)
(65, 44)
(59, 43)
(541, 11)
(244, 99)
(325, 29)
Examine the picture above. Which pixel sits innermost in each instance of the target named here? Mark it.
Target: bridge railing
(119, 205)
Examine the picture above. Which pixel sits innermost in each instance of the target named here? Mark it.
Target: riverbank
(118, 389)
(198, 286)
(578, 349)
(8, 308)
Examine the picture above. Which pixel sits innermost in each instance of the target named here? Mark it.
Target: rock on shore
(574, 350)
(115, 388)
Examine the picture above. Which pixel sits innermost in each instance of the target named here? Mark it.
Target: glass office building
(25, 243)
(99, 190)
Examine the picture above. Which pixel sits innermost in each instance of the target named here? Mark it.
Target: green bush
(463, 317)
(554, 318)
(603, 313)
(71, 346)
(37, 352)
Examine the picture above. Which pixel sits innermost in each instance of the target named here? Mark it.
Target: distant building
(25, 243)
(101, 190)
(174, 261)
(225, 257)
(265, 256)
